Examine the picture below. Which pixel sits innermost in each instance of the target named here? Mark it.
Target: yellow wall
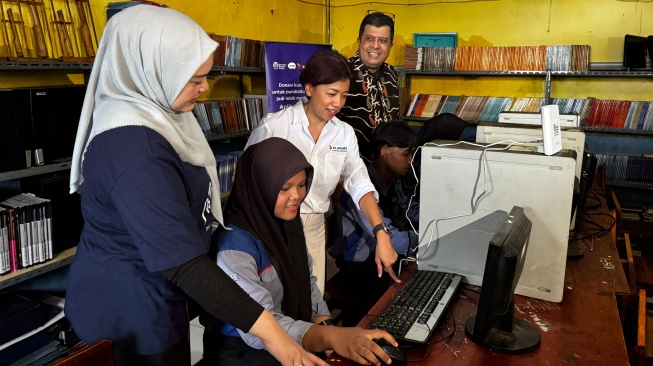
(600, 23)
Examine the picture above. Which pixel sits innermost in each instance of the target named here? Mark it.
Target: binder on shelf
(435, 39)
(635, 51)
(5, 254)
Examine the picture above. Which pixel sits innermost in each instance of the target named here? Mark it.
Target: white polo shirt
(335, 154)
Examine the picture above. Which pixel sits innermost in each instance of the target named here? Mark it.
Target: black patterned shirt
(373, 99)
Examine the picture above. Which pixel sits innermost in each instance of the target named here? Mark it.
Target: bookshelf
(59, 260)
(33, 171)
(548, 77)
(608, 141)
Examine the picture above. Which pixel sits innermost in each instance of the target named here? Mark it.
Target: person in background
(265, 253)
(331, 147)
(374, 92)
(393, 146)
(149, 194)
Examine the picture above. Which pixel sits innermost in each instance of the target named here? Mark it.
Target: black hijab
(261, 172)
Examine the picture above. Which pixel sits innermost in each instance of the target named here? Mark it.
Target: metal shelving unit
(35, 170)
(58, 260)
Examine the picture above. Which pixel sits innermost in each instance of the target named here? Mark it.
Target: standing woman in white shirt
(330, 145)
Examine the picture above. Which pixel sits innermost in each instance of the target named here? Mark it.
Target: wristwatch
(380, 227)
(327, 322)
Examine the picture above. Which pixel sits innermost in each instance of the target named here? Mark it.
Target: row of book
(219, 117)
(226, 164)
(630, 115)
(25, 232)
(238, 52)
(627, 169)
(429, 58)
(618, 114)
(518, 58)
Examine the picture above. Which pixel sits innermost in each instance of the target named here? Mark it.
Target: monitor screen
(494, 325)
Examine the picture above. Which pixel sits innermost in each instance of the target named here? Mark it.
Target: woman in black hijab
(265, 253)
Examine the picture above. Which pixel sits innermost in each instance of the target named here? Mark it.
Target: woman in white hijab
(149, 194)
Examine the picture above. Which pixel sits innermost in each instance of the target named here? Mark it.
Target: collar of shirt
(302, 119)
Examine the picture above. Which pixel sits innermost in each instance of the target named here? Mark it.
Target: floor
(196, 329)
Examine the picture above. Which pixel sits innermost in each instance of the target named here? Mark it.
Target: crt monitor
(494, 326)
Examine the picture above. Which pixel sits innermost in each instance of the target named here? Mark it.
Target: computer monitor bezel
(494, 326)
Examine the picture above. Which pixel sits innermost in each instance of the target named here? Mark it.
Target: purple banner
(283, 64)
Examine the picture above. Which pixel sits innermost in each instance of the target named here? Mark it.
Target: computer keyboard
(418, 307)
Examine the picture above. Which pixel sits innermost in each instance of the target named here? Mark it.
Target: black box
(634, 51)
(18, 316)
(53, 113)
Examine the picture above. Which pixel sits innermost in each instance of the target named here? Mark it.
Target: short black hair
(377, 20)
(393, 134)
(325, 67)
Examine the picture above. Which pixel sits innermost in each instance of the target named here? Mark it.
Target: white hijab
(146, 56)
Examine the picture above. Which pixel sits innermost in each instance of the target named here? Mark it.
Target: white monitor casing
(542, 185)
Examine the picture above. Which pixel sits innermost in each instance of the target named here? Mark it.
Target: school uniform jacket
(243, 257)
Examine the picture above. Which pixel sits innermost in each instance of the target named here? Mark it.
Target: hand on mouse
(354, 343)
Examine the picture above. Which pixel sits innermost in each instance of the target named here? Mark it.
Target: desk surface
(600, 267)
(583, 329)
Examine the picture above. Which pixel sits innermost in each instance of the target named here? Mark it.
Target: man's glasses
(389, 15)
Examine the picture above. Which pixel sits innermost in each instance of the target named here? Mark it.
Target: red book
(420, 107)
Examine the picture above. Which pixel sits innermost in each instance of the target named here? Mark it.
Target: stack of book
(219, 117)
(526, 104)
(592, 112)
(470, 108)
(237, 52)
(226, 165)
(413, 58)
(623, 114)
(25, 232)
(519, 58)
(429, 58)
(637, 170)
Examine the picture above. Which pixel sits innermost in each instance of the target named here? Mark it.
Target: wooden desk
(600, 268)
(583, 329)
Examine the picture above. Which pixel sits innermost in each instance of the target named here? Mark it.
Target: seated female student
(330, 145)
(265, 253)
(393, 145)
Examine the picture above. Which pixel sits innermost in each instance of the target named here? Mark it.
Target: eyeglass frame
(389, 15)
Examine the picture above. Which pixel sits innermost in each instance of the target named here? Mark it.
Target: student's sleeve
(318, 305)
(242, 268)
(413, 208)
(356, 180)
(215, 292)
(401, 240)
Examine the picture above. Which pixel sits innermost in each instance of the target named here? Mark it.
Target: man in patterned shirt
(373, 94)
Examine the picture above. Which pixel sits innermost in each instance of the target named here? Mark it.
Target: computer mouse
(397, 356)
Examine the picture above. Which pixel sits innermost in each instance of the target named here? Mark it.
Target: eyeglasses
(390, 15)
